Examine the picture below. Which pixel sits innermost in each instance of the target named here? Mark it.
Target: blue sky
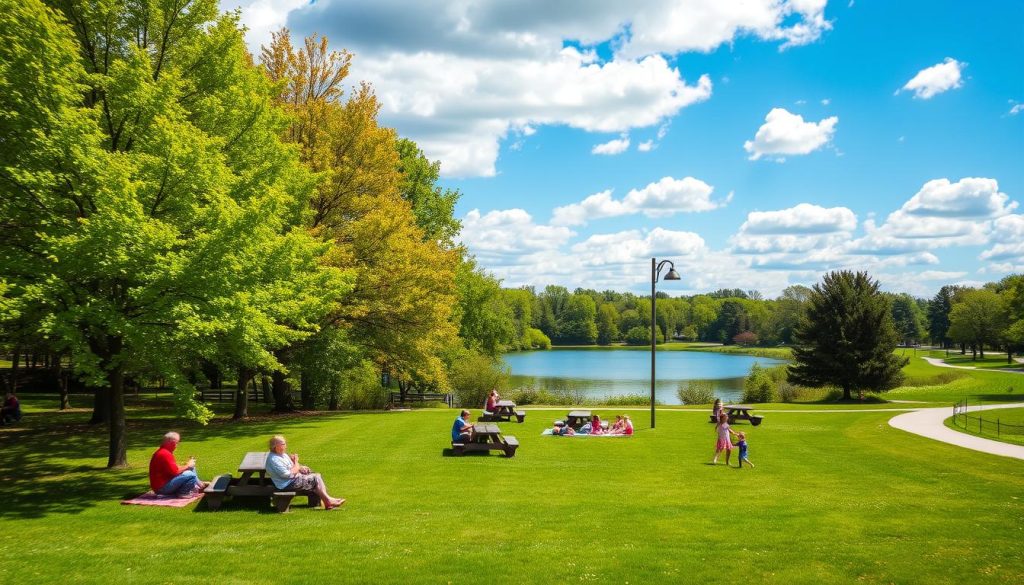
(757, 144)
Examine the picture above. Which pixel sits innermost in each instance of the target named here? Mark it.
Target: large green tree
(847, 337)
(978, 318)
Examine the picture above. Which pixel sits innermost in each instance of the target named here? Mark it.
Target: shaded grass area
(1004, 424)
(835, 498)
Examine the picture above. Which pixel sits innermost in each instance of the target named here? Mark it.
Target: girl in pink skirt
(723, 431)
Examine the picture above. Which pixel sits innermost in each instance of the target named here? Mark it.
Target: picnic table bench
(487, 437)
(504, 411)
(737, 412)
(253, 464)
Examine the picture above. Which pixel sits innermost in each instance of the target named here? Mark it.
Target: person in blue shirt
(287, 474)
(742, 444)
(462, 429)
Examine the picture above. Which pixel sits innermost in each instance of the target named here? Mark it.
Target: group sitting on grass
(622, 426)
(10, 412)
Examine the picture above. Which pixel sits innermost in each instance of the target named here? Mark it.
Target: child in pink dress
(723, 431)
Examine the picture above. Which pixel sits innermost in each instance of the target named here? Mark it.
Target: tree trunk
(333, 404)
(282, 393)
(242, 393)
(268, 396)
(58, 375)
(118, 433)
(846, 393)
(100, 406)
(14, 369)
(65, 390)
(981, 349)
(306, 386)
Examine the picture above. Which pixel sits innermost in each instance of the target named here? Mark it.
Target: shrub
(359, 389)
(745, 338)
(758, 386)
(696, 392)
(624, 400)
(641, 335)
(472, 375)
(788, 392)
(535, 339)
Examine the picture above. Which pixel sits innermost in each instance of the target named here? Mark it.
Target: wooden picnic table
(737, 412)
(486, 436)
(578, 418)
(246, 485)
(504, 410)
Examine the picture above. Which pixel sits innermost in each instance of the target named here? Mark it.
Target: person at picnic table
(723, 431)
(11, 410)
(492, 401)
(166, 476)
(562, 429)
(462, 429)
(286, 473)
(717, 408)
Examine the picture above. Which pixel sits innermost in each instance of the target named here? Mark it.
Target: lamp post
(671, 275)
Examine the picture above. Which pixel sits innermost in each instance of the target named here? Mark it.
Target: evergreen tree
(847, 337)
(938, 315)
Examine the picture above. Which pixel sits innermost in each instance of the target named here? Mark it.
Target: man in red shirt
(166, 477)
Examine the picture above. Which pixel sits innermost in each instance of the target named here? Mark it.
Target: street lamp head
(672, 275)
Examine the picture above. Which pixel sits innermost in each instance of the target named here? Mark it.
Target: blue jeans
(181, 484)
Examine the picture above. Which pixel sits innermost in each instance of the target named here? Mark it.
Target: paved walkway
(927, 422)
(938, 362)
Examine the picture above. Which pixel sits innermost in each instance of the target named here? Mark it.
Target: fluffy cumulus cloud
(940, 214)
(461, 77)
(509, 232)
(662, 198)
(612, 147)
(932, 81)
(784, 133)
(1008, 240)
(802, 228)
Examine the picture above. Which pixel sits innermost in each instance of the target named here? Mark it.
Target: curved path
(928, 422)
(942, 364)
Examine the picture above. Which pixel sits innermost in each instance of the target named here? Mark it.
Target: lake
(599, 373)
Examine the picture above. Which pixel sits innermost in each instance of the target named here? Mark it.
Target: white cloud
(1015, 108)
(646, 146)
(802, 228)
(784, 133)
(633, 246)
(665, 197)
(509, 232)
(967, 198)
(826, 102)
(456, 76)
(946, 275)
(936, 79)
(612, 147)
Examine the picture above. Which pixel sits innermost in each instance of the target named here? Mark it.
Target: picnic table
(253, 482)
(504, 411)
(737, 412)
(577, 418)
(487, 436)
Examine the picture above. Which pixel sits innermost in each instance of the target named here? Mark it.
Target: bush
(359, 389)
(745, 338)
(535, 339)
(788, 392)
(472, 375)
(640, 335)
(758, 386)
(696, 392)
(625, 400)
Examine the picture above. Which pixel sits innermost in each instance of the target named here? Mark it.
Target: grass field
(1004, 424)
(836, 497)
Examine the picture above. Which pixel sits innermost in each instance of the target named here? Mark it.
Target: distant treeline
(992, 316)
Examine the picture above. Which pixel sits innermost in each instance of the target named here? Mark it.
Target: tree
(146, 194)
(978, 317)
(433, 206)
(607, 324)
(938, 315)
(745, 338)
(907, 318)
(576, 324)
(641, 336)
(486, 322)
(847, 337)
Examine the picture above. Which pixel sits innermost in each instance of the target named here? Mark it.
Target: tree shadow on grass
(54, 463)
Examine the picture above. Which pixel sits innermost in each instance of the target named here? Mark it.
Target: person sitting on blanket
(286, 473)
(562, 429)
(628, 425)
(11, 410)
(462, 429)
(491, 405)
(618, 427)
(596, 428)
(166, 477)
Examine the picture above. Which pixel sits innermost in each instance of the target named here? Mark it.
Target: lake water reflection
(599, 373)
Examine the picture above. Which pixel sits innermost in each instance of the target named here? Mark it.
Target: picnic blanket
(548, 432)
(151, 499)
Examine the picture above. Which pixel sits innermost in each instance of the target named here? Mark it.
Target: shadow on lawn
(53, 463)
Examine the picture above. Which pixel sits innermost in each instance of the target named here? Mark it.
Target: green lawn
(835, 498)
(1004, 424)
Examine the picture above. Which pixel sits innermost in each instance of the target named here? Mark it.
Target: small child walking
(723, 431)
(742, 444)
